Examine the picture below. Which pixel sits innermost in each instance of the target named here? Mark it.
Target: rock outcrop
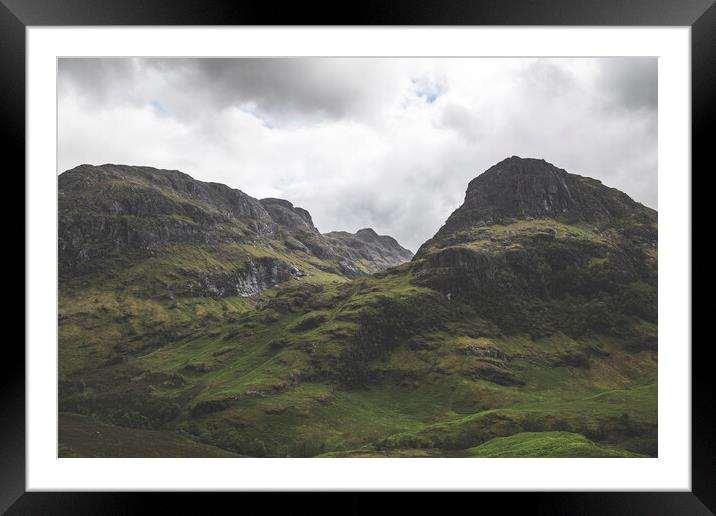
(285, 213)
(111, 207)
(525, 189)
(257, 275)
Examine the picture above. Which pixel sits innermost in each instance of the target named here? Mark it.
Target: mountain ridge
(514, 331)
(105, 208)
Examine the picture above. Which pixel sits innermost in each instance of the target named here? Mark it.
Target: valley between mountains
(197, 321)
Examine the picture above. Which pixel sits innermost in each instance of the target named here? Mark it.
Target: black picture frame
(16, 15)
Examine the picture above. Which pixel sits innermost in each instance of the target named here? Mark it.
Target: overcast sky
(383, 143)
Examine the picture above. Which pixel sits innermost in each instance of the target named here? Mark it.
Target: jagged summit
(285, 213)
(144, 191)
(527, 188)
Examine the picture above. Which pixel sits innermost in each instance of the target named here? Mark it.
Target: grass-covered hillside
(517, 334)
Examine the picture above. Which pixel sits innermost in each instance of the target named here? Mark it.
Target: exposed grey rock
(258, 275)
(106, 208)
(527, 189)
(285, 213)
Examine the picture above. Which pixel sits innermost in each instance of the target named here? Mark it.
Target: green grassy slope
(377, 365)
(82, 437)
(524, 337)
(546, 444)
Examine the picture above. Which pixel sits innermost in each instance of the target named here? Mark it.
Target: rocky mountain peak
(367, 234)
(528, 189)
(525, 188)
(148, 191)
(286, 214)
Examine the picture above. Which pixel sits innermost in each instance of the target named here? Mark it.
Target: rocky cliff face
(108, 208)
(257, 275)
(116, 215)
(286, 214)
(526, 189)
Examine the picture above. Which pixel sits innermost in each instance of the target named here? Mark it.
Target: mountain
(518, 188)
(539, 250)
(209, 239)
(527, 326)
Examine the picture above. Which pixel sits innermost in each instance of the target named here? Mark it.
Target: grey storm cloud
(631, 82)
(295, 85)
(386, 143)
(281, 88)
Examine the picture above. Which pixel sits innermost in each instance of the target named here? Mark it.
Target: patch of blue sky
(429, 89)
(252, 109)
(158, 107)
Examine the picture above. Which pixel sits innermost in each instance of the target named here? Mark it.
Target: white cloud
(384, 143)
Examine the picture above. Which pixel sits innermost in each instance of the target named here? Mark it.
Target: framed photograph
(445, 248)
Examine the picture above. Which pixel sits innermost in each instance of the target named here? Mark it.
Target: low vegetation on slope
(526, 335)
(374, 364)
(546, 444)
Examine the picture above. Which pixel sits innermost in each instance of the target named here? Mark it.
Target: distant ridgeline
(196, 320)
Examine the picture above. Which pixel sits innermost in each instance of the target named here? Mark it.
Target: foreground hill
(525, 327)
